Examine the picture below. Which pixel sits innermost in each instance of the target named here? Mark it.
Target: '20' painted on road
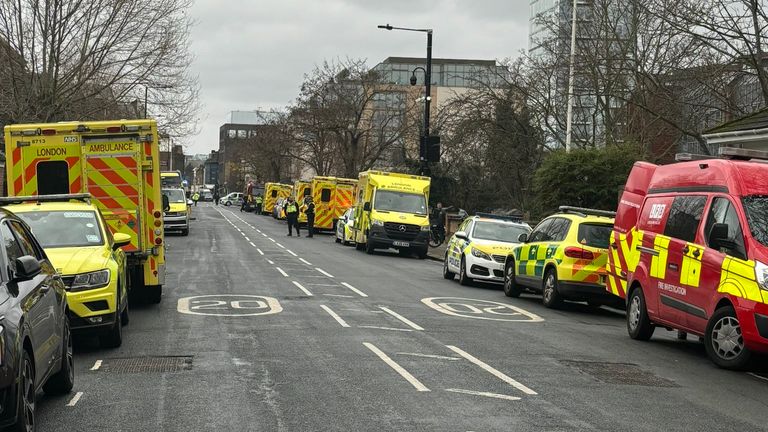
(480, 309)
(229, 305)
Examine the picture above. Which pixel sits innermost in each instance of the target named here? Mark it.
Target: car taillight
(578, 253)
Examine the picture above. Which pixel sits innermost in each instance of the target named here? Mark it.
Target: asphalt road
(300, 334)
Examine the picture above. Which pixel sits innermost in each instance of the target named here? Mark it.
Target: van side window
(325, 195)
(722, 211)
(684, 217)
(274, 193)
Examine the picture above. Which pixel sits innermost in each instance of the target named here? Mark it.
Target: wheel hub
(726, 338)
(634, 313)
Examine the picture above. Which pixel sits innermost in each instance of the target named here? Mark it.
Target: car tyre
(113, 338)
(63, 381)
(26, 399)
(550, 296)
(185, 232)
(422, 254)
(153, 294)
(463, 278)
(369, 248)
(511, 288)
(227, 203)
(724, 341)
(639, 325)
(125, 317)
(359, 246)
(447, 274)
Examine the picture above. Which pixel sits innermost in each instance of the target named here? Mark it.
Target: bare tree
(93, 59)
(347, 119)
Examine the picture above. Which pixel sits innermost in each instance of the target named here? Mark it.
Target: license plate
(401, 244)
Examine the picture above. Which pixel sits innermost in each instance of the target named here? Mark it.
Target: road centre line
(335, 316)
(355, 290)
(305, 261)
(385, 328)
(291, 252)
(264, 234)
(491, 370)
(259, 250)
(430, 356)
(281, 271)
(96, 365)
(247, 239)
(280, 246)
(397, 368)
(272, 240)
(271, 262)
(72, 402)
(407, 322)
(486, 394)
(299, 286)
(323, 272)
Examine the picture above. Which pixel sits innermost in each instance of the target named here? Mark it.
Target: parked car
(564, 258)
(479, 248)
(177, 214)
(90, 261)
(344, 234)
(206, 195)
(37, 342)
(234, 198)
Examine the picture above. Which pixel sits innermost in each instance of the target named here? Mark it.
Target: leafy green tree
(590, 177)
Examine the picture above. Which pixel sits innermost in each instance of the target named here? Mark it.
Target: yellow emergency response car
(177, 215)
(479, 248)
(88, 257)
(563, 258)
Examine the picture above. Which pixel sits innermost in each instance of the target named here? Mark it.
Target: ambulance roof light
(132, 128)
(30, 132)
(49, 132)
(114, 129)
(81, 128)
(85, 197)
(514, 217)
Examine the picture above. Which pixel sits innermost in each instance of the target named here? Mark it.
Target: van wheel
(64, 380)
(463, 279)
(369, 248)
(359, 246)
(724, 341)
(447, 274)
(185, 232)
(550, 296)
(153, 293)
(639, 325)
(422, 253)
(124, 316)
(511, 288)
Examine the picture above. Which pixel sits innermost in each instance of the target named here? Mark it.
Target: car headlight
(761, 275)
(425, 227)
(86, 281)
(480, 254)
(377, 222)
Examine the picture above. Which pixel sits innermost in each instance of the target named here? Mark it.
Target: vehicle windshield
(595, 235)
(402, 202)
(170, 180)
(175, 195)
(756, 208)
(82, 228)
(498, 231)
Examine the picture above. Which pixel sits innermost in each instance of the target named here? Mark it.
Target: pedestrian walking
(195, 197)
(216, 197)
(309, 211)
(292, 215)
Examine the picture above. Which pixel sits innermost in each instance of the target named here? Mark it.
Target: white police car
(480, 247)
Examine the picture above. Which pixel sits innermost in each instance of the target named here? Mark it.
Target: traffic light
(432, 148)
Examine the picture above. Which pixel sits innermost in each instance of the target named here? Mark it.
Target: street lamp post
(424, 142)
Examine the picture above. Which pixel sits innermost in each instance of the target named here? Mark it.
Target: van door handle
(673, 267)
(45, 288)
(696, 253)
(686, 250)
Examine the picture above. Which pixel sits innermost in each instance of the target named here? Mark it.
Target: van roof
(735, 177)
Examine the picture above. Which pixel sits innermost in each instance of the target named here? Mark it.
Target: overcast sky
(253, 54)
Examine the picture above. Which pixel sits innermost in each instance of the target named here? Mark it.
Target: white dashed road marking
(335, 316)
(72, 402)
(429, 356)
(305, 261)
(397, 368)
(96, 365)
(323, 272)
(407, 322)
(299, 286)
(491, 370)
(355, 290)
(486, 394)
(282, 272)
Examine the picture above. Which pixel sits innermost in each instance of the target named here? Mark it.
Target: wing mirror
(120, 240)
(461, 234)
(522, 238)
(27, 267)
(190, 202)
(367, 206)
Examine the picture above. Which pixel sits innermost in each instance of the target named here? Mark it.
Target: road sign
(237, 305)
(480, 309)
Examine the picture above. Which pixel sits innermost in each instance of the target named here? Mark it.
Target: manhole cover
(147, 364)
(619, 373)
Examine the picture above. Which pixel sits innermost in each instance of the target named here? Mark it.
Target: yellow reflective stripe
(690, 271)
(659, 263)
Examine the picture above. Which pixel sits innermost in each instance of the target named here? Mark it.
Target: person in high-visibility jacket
(259, 202)
(292, 215)
(195, 198)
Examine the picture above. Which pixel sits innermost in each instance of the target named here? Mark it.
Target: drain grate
(619, 373)
(147, 364)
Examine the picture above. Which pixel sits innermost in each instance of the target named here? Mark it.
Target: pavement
(438, 253)
(262, 332)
